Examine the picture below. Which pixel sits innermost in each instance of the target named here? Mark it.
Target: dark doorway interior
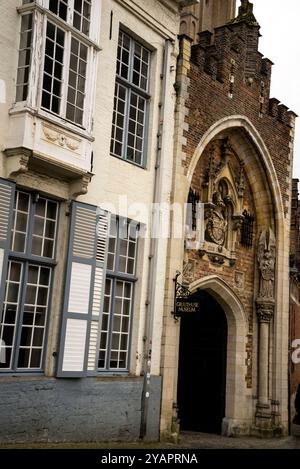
(202, 367)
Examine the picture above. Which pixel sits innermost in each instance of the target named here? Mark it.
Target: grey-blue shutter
(7, 195)
(78, 352)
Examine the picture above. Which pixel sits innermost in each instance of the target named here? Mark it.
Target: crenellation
(204, 38)
(231, 56)
(273, 107)
(283, 114)
(266, 67)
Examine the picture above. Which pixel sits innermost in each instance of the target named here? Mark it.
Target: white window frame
(41, 15)
(131, 88)
(94, 33)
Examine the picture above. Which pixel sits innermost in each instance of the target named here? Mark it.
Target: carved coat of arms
(216, 221)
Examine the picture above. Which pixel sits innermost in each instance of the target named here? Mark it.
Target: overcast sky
(280, 42)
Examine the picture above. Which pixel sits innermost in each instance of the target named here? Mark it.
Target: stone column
(265, 312)
(265, 306)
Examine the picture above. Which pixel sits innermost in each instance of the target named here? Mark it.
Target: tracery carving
(220, 183)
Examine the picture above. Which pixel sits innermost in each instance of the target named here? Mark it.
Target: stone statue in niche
(216, 221)
(267, 266)
(266, 262)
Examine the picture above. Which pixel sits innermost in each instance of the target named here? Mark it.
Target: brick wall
(295, 287)
(229, 76)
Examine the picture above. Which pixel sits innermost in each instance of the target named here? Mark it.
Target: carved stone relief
(216, 225)
(57, 137)
(239, 280)
(221, 188)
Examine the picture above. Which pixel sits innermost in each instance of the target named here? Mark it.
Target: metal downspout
(153, 255)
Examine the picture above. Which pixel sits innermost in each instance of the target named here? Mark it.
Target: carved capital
(264, 310)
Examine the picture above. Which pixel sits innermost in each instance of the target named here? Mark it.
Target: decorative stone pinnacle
(245, 14)
(246, 7)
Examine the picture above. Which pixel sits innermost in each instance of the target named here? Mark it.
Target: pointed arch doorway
(202, 367)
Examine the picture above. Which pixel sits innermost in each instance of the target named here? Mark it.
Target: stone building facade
(85, 90)
(234, 157)
(107, 120)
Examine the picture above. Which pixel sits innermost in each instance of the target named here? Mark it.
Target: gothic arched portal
(201, 393)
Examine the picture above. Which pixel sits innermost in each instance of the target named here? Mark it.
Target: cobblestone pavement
(208, 441)
(188, 440)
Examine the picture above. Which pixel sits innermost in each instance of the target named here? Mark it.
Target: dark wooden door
(202, 367)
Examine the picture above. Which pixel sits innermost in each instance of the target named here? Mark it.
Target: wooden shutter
(7, 194)
(79, 345)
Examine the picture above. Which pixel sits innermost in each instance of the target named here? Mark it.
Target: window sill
(22, 375)
(129, 162)
(111, 376)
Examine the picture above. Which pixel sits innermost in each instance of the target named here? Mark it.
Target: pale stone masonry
(43, 152)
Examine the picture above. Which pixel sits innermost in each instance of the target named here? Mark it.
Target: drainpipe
(153, 254)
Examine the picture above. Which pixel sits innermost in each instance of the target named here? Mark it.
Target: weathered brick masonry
(229, 76)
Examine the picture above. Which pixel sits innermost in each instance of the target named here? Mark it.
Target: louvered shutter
(7, 194)
(78, 353)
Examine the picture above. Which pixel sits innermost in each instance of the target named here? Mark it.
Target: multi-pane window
(20, 223)
(192, 209)
(24, 63)
(59, 8)
(247, 230)
(44, 228)
(66, 53)
(81, 12)
(53, 68)
(27, 294)
(82, 15)
(77, 80)
(119, 296)
(131, 100)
